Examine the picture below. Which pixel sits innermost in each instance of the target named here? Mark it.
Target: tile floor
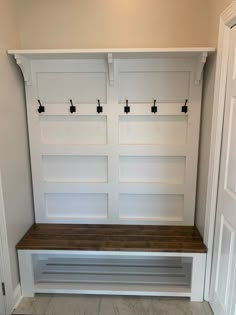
(43, 304)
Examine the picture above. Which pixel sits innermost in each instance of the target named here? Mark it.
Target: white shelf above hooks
(44, 53)
(23, 57)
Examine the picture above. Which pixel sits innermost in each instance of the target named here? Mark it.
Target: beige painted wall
(216, 8)
(112, 23)
(14, 153)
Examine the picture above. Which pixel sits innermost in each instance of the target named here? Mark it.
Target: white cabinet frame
(177, 73)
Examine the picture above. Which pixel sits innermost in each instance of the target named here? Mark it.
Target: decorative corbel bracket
(199, 67)
(24, 65)
(110, 68)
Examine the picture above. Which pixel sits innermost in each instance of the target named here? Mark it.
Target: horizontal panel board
(111, 260)
(152, 169)
(68, 268)
(76, 205)
(64, 109)
(81, 87)
(113, 289)
(153, 150)
(70, 149)
(145, 86)
(73, 129)
(162, 108)
(103, 278)
(74, 168)
(151, 188)
(161, 207)
(153, 130)
(76, 187)
(71, 270)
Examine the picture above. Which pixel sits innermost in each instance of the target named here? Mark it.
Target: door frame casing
(5, 269)
(227, 20)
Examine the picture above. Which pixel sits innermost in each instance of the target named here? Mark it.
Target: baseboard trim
(17, 296)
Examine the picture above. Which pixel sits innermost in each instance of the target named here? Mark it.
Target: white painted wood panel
(153, 130)
(76, 205)
(82, 87)
(67, 168)
(80, 130)
(162, 208)
(163, 108)
(169, 170)
(111, 154)
(141, 87)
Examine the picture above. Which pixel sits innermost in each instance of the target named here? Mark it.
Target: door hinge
(3, 289)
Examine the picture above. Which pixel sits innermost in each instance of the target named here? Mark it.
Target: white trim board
(17, 296)
(227, 20)
(6, 271)
(113, 50)
(110, 53)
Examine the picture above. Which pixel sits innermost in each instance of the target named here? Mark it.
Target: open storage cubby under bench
(112, 259)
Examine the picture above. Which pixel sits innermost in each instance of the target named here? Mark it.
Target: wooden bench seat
(145, 238)
(112, 259)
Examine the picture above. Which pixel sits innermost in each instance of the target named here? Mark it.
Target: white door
(2, 298)
(223, 282)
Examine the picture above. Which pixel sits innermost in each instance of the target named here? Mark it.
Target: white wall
(14, 154)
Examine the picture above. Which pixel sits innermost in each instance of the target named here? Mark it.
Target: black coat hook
(72, 107)
(185, 107)
(41, 109)
(99, 108)
(154, 108)
(127, 107)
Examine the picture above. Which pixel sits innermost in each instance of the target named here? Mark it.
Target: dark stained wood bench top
(140, 238)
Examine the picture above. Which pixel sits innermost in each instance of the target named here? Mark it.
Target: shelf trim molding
(112, 51)
(110, 69)
(199, 67)
(24, 64)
